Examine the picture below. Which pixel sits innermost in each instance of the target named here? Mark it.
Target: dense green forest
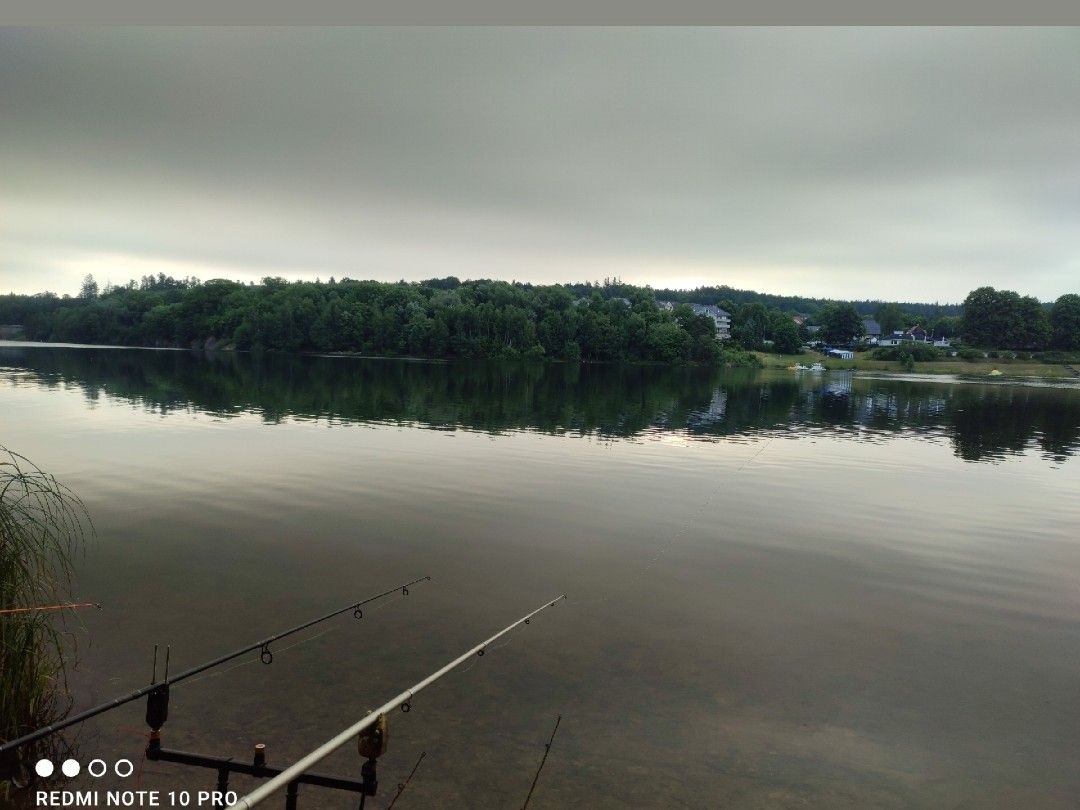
(448, 318)
(439, 318)
(1005, 319)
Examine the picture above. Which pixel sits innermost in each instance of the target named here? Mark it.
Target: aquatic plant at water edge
(42, 526)
(732, 357)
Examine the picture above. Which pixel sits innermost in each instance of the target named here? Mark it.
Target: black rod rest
(157, 711)
(265, 654)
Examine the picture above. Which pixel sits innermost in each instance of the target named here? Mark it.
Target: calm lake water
(784, 591)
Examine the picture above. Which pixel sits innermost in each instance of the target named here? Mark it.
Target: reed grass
(43, 525)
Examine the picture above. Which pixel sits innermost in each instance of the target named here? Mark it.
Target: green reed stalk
(42, 525)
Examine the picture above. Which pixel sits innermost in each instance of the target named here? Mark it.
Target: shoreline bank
(1009, 369)
(982, 368)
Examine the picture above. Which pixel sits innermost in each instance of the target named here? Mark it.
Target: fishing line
(258, 659)
(402, 701)
(402, 785)
(486, 649)
(161, 687)
(659, 552)
(332, 629)
(509, 640)
(46, 608)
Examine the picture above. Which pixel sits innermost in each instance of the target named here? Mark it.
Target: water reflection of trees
(982, 421)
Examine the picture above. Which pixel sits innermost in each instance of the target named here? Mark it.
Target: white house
(895, 339)
(915, 334)
(841, 354)
(720, 317)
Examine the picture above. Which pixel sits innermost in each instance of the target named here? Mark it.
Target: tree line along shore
(448, 318)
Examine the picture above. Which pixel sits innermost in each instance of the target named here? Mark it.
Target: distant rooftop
(711, 310)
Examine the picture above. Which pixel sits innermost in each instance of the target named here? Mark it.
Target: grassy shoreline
(952, 365)
(862, 362)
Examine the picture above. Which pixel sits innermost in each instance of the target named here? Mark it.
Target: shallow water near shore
(783, 591)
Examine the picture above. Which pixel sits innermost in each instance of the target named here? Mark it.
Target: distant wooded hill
(794, 303)
(450, 318)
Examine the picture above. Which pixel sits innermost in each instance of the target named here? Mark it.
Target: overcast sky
(855, 163)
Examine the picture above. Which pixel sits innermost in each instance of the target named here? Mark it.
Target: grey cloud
(855, 162)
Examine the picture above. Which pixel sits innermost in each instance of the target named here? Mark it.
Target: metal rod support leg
(222, 786)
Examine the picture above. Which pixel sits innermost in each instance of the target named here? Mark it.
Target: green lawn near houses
(953, 365)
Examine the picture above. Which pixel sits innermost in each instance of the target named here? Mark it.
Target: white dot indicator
(44, 768)
(123, 765)
(70, 768)
(97, 768)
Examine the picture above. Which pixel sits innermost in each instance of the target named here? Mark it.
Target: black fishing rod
(162, 686)
(543, 761)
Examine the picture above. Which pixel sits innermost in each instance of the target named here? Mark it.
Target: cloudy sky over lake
(855, 163)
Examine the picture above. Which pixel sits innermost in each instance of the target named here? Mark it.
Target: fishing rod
(161, 688)
(46, 608)
(377, 718)
(543, 761)
(402, 785)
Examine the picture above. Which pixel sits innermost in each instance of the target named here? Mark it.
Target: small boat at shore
(817, 367)
(798, 367)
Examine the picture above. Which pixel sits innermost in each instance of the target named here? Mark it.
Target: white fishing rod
(330, 746)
